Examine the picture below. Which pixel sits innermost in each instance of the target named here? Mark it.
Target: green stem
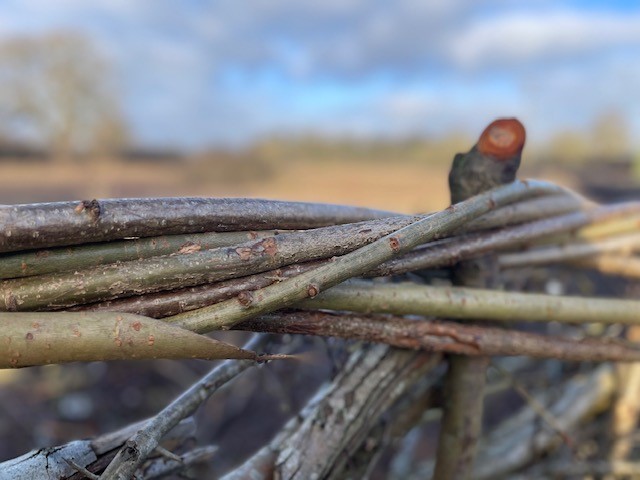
(473, 304)
(63, 259)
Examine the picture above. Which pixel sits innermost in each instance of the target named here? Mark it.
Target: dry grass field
(403, 187)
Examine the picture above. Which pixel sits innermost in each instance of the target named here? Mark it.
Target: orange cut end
(503, 138)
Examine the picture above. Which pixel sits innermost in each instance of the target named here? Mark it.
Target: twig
(43, 225)
(59, 290)
(164, 304)
(62, 259)
(471, 303)
(442, 336)
(529, 210)
(534, 404)
(309, 284)
(146, 440)
(450, 251)
(521, 439)
(570, 252)
(161, 467)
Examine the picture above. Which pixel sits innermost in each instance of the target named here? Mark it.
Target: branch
(89, 454)
(442, 336)
(145, 441)
(44, 225)
(165, 304)
(63, 259)
(44, 338)
(309, 284)
(471, 303)
(623, 244)
(450, 251)
(529, 210)
(369, 384)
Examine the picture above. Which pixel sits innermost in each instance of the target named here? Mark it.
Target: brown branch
(623, 244)
(442, 336)
(165, 304)
(528, 211)
(44, 225)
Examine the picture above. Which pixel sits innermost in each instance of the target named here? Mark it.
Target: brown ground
(407, 187)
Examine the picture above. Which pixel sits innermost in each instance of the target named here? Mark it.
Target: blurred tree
(56, 90)
(570, 146)
(610, 136)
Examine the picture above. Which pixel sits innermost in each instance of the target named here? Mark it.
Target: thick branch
(44, 225)
(368, 385)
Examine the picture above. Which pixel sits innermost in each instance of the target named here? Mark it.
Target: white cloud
(516, 39)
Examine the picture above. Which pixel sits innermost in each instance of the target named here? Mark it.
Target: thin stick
(472, 303)
(529, 210)
(574, 251)
(441, 336)
(173, 302)
(146, 440)
(56, 291)
(450, 251)
(62, 259)
(309, 284)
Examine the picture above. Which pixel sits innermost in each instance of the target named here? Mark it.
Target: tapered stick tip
(502, 139)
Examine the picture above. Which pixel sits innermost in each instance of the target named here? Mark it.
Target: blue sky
(198, 73)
